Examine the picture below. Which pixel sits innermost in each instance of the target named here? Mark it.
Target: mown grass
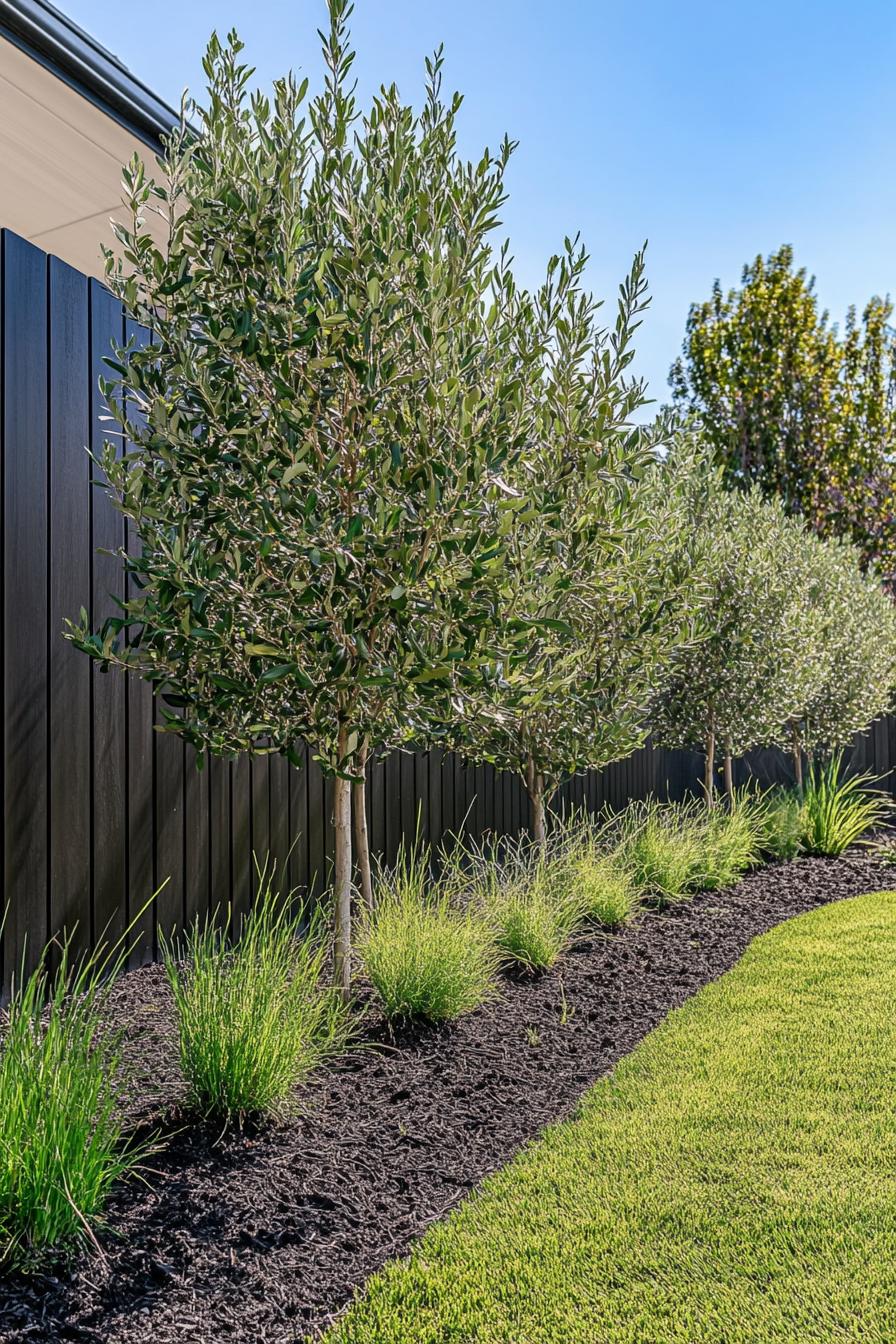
(732, 1180)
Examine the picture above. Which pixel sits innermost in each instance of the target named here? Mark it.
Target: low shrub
(426, 958)
(839, 809)
(254, 1014)
(663, 847)
(62, 1139)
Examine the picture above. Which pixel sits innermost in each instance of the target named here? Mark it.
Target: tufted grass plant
(255, 1013)
(663, 846)
(604, 887)
(732, 842)
(534, 915)
(780, 812)
(428, 958)
(63, 1142)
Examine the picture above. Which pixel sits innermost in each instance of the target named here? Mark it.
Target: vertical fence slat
(69, 524)
(109, 704)
(25, 588)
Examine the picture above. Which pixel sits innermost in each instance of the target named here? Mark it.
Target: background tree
(595, 572)
(795, 409)
(850, 623)
(330, 398)
(754, 668)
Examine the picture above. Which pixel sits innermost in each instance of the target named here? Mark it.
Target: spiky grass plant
(780, 814)
(663, 846)
(63, 1142)
(732, 843)
(839, 809)
(604, 887)
(534, 915)
(255, 1014)
(427, 958)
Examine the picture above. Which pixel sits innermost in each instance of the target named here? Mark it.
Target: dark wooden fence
(98, 809)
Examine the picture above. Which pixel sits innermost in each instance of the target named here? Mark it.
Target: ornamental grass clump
(63, 1141)
(534, 915)
(604, 887)
(839, 809)
(782, 828)
(663, 845)
(255, 1014)
(427, 958)
(732, 843)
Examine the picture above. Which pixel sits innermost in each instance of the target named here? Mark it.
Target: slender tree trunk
(797, 759)
(342, 893)
(535, 789)
(709, 778)
(359, 817)
(729, 773)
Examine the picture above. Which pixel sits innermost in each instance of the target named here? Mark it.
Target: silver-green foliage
(594, 565)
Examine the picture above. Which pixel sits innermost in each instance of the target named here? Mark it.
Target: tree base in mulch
(265, 1235)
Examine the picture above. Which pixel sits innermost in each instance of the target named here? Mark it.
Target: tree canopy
(795, 407)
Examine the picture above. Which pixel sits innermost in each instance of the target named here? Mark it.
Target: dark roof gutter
(39, 29)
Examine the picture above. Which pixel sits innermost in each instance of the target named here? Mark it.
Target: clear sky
(715, 129)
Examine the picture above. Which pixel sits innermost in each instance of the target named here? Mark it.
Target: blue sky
(713, 130)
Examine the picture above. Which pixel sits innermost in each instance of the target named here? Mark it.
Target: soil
(264, 1236)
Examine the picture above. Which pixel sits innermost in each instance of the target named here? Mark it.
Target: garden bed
(264, 1236)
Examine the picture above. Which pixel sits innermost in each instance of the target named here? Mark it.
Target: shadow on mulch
(264, 1236)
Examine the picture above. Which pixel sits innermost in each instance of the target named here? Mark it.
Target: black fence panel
(99, 810)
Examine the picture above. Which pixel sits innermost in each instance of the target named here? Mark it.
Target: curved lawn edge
(732, 1178)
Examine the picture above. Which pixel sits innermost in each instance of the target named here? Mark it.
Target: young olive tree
(850, 622)
(755, 665)
(328, 403)
(595, 572)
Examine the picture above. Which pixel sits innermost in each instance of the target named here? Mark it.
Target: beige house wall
(60, 162)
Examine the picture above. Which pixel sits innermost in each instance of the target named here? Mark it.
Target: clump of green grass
(255, 1014)
(839, 809)
(534, 915)
(604, 887)
(63, 1144)
(663, 847)
(738, 1146)
(731, 843)
(427, 959)
(780, 813)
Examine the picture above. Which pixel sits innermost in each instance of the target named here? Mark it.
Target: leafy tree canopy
(793, 406)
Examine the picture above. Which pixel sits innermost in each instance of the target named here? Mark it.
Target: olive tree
(330, 398)
(755, 666)
(851, 623)
(594, 569)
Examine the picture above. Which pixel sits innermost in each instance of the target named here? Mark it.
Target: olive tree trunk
(342, 882)
(709, 777)
(359, 817)
(729, 773)
(797, 753)
(535, 790)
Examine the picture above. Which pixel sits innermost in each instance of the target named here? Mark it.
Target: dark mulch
(265, 1236)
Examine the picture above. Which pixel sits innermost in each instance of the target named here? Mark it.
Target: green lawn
(733, 1182)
